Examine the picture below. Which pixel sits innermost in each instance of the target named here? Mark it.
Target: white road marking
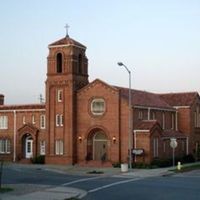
(82, 180)
(113, 184)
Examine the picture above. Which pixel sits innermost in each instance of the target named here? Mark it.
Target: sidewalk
(29, 192)
(41, 192)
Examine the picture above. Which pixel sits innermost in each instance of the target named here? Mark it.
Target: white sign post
(173, 145)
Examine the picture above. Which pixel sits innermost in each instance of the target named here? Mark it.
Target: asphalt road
(182, 186)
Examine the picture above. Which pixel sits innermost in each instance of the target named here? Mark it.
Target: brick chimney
(1, 99)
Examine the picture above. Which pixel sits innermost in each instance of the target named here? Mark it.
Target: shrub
(188, 158)
(116, 165)
(161, 162)
(38, 160)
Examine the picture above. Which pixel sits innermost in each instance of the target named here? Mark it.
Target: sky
(158, 40)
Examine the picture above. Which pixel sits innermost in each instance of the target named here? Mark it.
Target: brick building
(85, 123)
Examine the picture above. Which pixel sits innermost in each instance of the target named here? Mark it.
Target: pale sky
(158, 40)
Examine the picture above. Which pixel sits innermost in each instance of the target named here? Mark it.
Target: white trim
(143, 131)
(176, 107)
(163, 138)
(23, 110)
(65, 45)
(154, 108)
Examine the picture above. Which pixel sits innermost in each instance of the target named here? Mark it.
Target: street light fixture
(130, 116)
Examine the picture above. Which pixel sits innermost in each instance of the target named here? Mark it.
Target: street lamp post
(130, 116)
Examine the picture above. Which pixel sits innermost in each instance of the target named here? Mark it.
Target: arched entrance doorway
(27, 146)
(97, 146)
(28, 142)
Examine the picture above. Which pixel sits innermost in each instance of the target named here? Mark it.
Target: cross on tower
(67, 28)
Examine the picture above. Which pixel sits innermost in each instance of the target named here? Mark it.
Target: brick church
(87, 122)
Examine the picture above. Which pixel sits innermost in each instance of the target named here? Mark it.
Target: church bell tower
(67, 71)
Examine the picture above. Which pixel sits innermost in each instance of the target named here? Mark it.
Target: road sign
(173, 143)
(138, 151)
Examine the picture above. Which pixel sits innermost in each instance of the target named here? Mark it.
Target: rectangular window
(172, 121)
(163, 120)
(5, 146)
(42, 147)
(3, 122)
(153, 115)
(42, 121)
(98, 106)
(199, 120)
(60, 95)
(24, 120)
(140, 115)
(59, 147)
(33, 119)
(61, 120)
(183, 145)
(164, 146)
(195, 119)
(155, 147)
(57, 120)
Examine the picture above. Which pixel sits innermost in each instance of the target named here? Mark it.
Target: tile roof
(172, 133)
(143, 98)
(26, 106)
(67, 40)
(146, 125)
(180, 99)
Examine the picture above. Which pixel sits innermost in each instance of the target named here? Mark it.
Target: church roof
(25, 106)
(143, 98)
(146, 125)
(180, 99)
(173, 134)
(67, 41)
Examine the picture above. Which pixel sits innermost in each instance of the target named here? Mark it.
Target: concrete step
(25, 161)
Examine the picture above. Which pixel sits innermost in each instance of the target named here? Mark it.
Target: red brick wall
(109, 122)
(9, 133)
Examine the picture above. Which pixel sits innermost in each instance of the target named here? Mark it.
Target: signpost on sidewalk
(173, 145)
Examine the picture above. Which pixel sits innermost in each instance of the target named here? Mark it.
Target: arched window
(59, 63)
(80, 64)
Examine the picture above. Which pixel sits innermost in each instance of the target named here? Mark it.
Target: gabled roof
(20, 107)
(172, 134)
(147, 125)
(67, 41)
(89, 85)
(180, 99)
(143, 98)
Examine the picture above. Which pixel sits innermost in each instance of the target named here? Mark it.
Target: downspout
(176, 120)
(187, 142)
(149, 113)
(14, 137)
(135, 145)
